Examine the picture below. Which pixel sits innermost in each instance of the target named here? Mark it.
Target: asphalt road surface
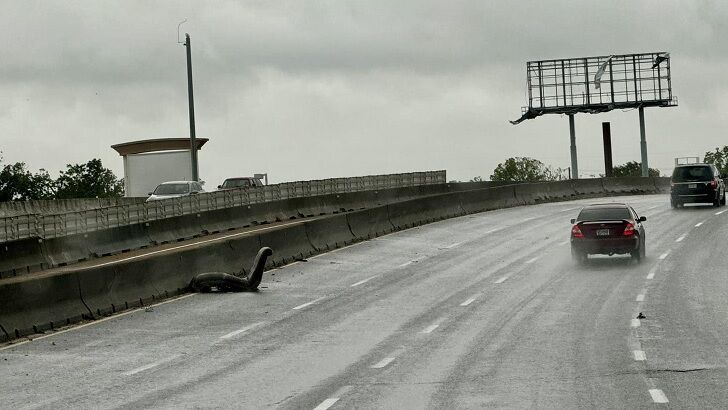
(484, 310)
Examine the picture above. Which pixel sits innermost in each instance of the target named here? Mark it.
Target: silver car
(175, 189)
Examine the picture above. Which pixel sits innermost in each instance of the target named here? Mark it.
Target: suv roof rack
(687, 160)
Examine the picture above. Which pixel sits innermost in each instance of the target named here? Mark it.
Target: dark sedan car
(607, 229)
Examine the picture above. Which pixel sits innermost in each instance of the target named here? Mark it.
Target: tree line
(86, 180)
(525, 169)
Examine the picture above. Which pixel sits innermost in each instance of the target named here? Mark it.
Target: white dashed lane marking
(406, 264)
(243, 330)
(453, 245)
(327, 403)
(658, 396)
(361, 282)
(430, 328)
(469, 301)
(664, 255)
(150, 365)
(651, 274)
(307, 304)
(698, 224)
(635, 323)
(680, 239)
(640, 297)
(639, 355)
(532, 260)
(718, 213)
(501, 279)
(383, 363)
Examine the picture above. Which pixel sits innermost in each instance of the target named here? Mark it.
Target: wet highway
(485, 310)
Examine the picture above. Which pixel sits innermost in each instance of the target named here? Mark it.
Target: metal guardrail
(69, 223)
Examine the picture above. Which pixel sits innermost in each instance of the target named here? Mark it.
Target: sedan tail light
(628, 230)
(576, 232)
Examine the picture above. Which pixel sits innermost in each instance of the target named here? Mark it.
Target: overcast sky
(320, 89)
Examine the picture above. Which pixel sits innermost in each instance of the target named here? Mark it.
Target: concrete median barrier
(329, 233)
(66, 250)
(424, 210)
(629, 185)
(479, 200)
(114, 287)
(21, 257)
(369, 223)
(289, 243)
(174, 229)
(588, 187)
(35, 304)
(662, 184)
(529, 194)
(117, 240)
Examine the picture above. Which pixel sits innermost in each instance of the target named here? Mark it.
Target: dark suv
(696, 183)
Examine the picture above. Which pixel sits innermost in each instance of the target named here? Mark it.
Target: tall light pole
(193, 141)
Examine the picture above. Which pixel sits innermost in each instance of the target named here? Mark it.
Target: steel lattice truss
(598, 84)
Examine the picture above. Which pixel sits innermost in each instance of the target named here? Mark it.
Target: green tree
(633, 169)
(89, 180)
(719, 157)
(19, 184)
(524, 169)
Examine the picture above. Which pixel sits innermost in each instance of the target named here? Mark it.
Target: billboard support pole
(572, 132)
(607, 139)
(643, 144)
(191, 98)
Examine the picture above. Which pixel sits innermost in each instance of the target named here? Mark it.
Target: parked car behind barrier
(239, 182)
(175, 189)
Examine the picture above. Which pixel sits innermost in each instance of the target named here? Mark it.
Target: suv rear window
(236, 183)
(692, 173)
(604, 214)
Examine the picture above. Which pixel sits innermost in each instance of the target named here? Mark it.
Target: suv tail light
(628, 230)
(713, 184)
(576, 232)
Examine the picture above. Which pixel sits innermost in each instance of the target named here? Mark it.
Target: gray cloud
(318, 89)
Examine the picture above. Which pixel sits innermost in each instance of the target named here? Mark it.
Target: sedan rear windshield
(690, 174)
(172, 189)
(604, 214)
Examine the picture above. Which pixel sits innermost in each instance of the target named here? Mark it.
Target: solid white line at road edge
(658, 396)
(383, 363)
(98, 321)
(299, 307)
(327, 403)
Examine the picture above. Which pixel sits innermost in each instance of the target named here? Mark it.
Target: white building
(147, 163)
